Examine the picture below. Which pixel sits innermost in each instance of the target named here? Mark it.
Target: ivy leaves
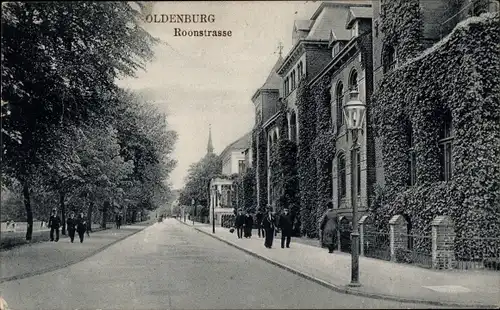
(470, 92)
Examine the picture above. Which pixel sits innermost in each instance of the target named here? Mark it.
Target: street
(172, 266)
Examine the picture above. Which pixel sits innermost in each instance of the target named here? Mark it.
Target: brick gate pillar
(363, 221)
(443, 240)
(398, 234)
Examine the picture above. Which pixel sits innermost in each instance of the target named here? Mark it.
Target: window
(484, 6)
(293, 80)
(389, 59)
(341, 177)
(353, 81)
(336, 49)
(293, 127)
(354, 30)
(339, 98)
(446, 146)
(330, 178)
(241, 166)
(412, 160)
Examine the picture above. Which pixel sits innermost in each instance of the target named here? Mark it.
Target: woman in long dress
(328, 227)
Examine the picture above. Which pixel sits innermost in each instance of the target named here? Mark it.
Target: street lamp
(354, 112)
(192, 210)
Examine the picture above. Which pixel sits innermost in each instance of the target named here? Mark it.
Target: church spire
(210, 147)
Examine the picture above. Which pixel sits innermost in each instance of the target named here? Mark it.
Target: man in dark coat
(81, 226)
(259, 216)
(71, 224)
(269, 224)
(239, 222)
(286, 225)
(248, 225)
(54, 224)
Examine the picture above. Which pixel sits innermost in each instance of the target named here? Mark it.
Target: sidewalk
(37, 258)
(379, 279)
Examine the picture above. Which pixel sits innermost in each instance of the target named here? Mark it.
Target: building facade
(349, 49)
(350, 70)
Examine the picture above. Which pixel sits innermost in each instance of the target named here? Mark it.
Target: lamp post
(192, 211)
(354, 112)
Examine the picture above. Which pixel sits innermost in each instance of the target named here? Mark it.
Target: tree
(59, 65)
(198, 180)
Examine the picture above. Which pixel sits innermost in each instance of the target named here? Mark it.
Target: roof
(303, 25)
(356, 13)
(273, 80)
(240, 144)
(330, 16)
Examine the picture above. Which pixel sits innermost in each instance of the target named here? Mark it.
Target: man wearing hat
(285, 224)
(239, 222)
(54, 224)
(268, 223)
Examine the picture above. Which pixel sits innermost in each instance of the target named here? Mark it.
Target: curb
(67, 264)
(345, 289)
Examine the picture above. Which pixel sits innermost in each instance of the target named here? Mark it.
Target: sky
(199, 81)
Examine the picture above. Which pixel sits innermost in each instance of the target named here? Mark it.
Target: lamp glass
(354, 111)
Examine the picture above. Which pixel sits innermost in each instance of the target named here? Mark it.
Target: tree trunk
(29, 212)
(89, 214)
(104, 214)
(134, 216)
(63, 212)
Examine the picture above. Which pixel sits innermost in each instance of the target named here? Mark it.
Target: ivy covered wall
(467, 66)
(324, 147)
(401, 23)
(306, 160)
(260, 162)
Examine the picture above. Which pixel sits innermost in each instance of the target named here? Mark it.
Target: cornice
(298, 50)
(260, 90)
(351, 49)
(271, 120)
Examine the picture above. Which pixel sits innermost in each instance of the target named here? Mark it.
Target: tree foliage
(198, 180)
(64, 120)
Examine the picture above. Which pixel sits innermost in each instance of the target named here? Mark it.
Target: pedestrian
(269, 224)
(259, 216)
(54, 224)
(81, 226)
(119, 222)
(328, 227)
(285, 223)
(71, 224)
(248, 225)
(239, 222)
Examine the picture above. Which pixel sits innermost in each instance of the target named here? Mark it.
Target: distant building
(233, 156)
(222, 193)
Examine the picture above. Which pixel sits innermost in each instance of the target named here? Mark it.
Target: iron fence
(377, 245)
(477, 253)
(418, 250)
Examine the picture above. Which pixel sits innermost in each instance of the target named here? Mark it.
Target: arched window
(353, 80)
(388, 59)
(412, 155)
(299, 71)
(293, 80)
(293, 127)
(341, 177)
(339, 98)
(446, 136)
(275, 137)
